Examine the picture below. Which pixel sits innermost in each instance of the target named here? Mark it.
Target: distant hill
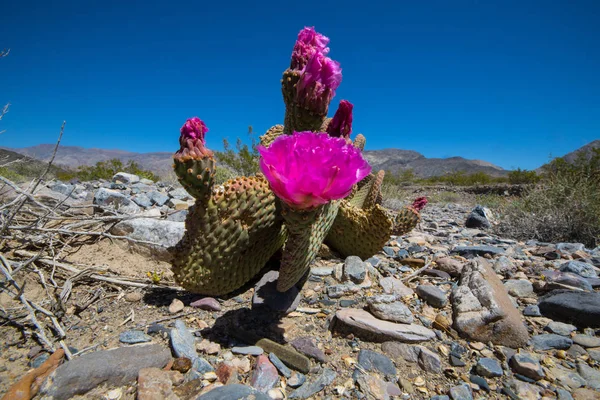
(397, 160)
(586, 151)
(24, 165)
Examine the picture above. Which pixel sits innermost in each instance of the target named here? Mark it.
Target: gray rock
(550, 341)
(580, 268)
(354, 269)
(567, 377)
(395, 312)
(67, 190)
(308, 347)
(527, 365)
(178, 216)
(579, 308)
(560, 328)
(234, 391)
(296, 380)
(591, 375)
(430, 361)
(472, 251)
(566, 280)
(377, 362)
(164, 233)
(247, 350)
(267, 295)
(372, 386)
(182, 341)
(142, 200)
(586, 340)
(311, 388)
(461, 392)
(321, 271)
(478, 218)
(281, 367)
(116, 200)
(482, 309)
(365, 325)
(519, 287)
(488, 367)
(158, 198)
(337, 291)
(570, 247)
(113, 367)
(123, 177)
(180, 194)
(521, 390)
(532, 311)
(392, 285)
(503, 264)
(133, 337)
(401, 352)
(433, 295)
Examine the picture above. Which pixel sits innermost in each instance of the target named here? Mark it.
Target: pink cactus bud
(192, 140)
(309, 169)
(419, 203)
(317, 85)
(341, 123)
(308, 43)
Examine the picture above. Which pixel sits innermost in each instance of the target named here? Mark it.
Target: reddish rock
(207, 303)
(155, 384)
(227, 373)
(264, 376)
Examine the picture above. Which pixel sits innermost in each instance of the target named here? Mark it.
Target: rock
(483, 310)
(503, 264)
(176, 306)
(372, 386)
(586, 340)
(567, 377)
(155, 384)
(311, 388)
(580, 268)
(234, 392)
(288, 355)
(522, 390)
(401, 352)
(354, 269)
(478, 218)
(227, 373)
(264, 376)
(436, 273)
(207, 303)
(267, 295)
(182, 364)
(560, 328)
(157, 198)
(178, 216)
(550, 341)
(281, 367)
(116, 200)
(308, 347)
(395, 311)
(114, 367)
(591, 375)
(532, 311)
(429, 361)
(449, 265)
(461, 392)
(473, 251)
(337, 291)
(580, 308)
(296, 380)
(321, 271)
(178, 205)
(376, 362)
(566, 280)
(479, 381)
(164, 233)
(585, 394)
(247, 350)
(433, 295)
(565, 395)
(208, 347)
(132, 337)
(184, 345)
(527, 365)
(395, 286)
(488, 367)
(142, 200)
(180, 194)
(123, 177)
(363, 324)
(134, 297)
(519, 287)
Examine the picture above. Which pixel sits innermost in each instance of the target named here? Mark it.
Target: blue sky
(510, 82)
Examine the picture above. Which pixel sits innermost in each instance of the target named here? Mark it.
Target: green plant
(522, 176)
(106, 170)
(241, 161)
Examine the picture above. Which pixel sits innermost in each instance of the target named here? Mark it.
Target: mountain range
(395, 160)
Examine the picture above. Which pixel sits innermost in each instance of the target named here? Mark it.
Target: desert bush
(460, 178)
(243, 160)
(564, 206)
(106, 170)
(223, 174)
(10, 174)
(445, 197)
(523, 176)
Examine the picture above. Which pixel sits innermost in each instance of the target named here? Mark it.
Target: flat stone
(180, 194)
(594, 353)
(281, 367)
(234, 392)
(580, 268)
(287, 354)
(392, 285)
(479, 381)
(158, 198)
(586, 340)
(579, 308)
(560, 328)
(522, 390)
(567, 377)
(114, 367)
(433, 295)
(142, 200)
(430, 361)
(488, 367)
(461, 392)
(437, 273)
(532, 310)
(503, 264)
(401, 351)
(482, 309)
(519, 287)
(132, 337)
(162, 232)
(395, 311)
(321, 271)
(550, 341)
(372, 386)
(207, 303)
(155, 384)
(296, 380)
(472, 251)
(267, 295)
(526, 364)
(591, 375)
(365, 325)
(313, 387)
(247, 350)
(451, 266)
(374, 361)
(354, 269)
(114, 199)
(124, 177)
(308, 347)
(585, 394)
(264, 376)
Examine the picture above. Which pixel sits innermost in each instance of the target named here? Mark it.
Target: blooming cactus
(192, 141)
(308, 43)
(309, 169)
(341, 123)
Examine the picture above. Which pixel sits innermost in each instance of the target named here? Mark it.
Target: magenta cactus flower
(192, 141)
(341, 123)
(307, 169)
(308, 43)
(317, 85)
